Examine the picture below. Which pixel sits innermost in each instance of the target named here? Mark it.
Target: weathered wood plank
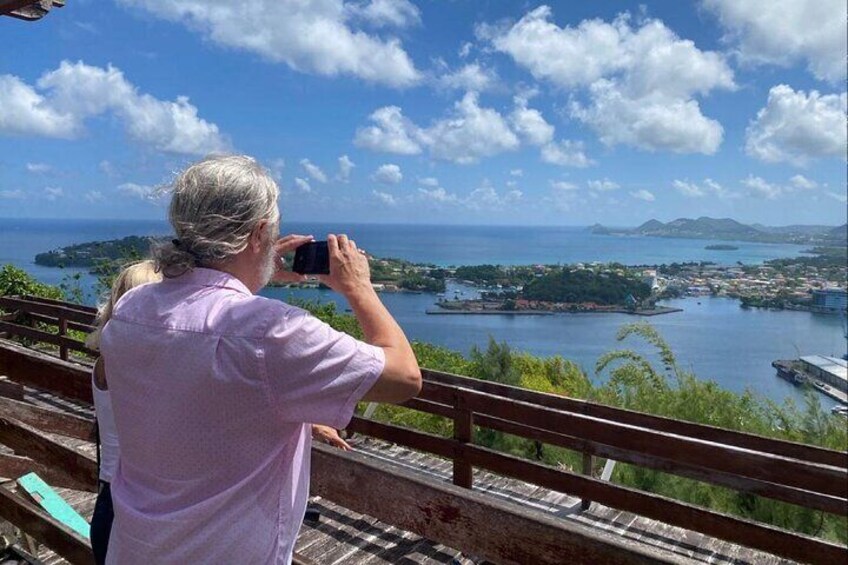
(28, 441)
(750, 534)
(46, 372)
(11, 389)
(14, 466)
(44, 528)
(48, 420)
(457, 517)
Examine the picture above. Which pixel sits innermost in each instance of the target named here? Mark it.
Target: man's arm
(349, 275)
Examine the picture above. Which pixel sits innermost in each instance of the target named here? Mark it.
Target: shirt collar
(202, 276)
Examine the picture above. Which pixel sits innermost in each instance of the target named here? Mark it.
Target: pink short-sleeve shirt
(212, 388)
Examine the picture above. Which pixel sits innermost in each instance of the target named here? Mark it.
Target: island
(730, 230)
(721, 247)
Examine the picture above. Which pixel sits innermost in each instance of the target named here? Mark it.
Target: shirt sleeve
(315, 373)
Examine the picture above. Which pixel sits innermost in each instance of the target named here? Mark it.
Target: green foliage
(489, 275)
(584, 285)
(635, 384)
(495, 364)
(15, 281)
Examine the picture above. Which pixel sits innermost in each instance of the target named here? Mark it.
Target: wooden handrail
(681, 427)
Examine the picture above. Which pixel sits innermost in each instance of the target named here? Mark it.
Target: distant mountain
(729, 229)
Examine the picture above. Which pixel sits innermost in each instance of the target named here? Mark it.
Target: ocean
(713, 337)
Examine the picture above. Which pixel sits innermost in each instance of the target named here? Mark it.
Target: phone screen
(312, 258)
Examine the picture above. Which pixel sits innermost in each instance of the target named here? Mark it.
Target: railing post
(463, 432)
(63, 330)
(587, 470)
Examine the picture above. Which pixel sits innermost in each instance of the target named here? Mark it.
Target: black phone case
(312, 259)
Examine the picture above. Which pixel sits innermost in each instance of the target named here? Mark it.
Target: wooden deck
(342, 536)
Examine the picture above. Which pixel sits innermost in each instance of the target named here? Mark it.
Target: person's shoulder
(134, 297)
(258, 316)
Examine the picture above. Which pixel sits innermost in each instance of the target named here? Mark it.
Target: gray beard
(269, 265)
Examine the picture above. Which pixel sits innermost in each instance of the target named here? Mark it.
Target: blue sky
(458, 112)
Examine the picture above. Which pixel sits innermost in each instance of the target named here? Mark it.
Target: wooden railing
(46, 321)
(799, 474)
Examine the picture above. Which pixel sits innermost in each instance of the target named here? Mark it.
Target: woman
(101, 522)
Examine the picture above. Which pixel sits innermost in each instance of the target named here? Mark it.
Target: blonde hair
(215, 205)
(132, 276)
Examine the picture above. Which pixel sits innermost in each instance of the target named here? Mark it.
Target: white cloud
(93, 196)
(313, 37)
(393, 133)
(836, 196)
(687, 188)
(603, 185)
(467, 134)
(566, 153)
(529, 123)
(141, 191)
(516, 172)
(795, 127)
(643, 194)
(75, 92)
(388, 174)
(562, 185)
(394, 13)
(759, 188)
(785, 31)
(276, 168)
(470, 133)
(429, 181)
(346, 166)
(16, 194)
(802, 182)
(438, 194)
(472, 76)
(384, 197)
(107, 168)
(651, 123)
(709, 186)
(53, 193)
(465, 49)
(23, 111)
(641, 79)
(38, 168)
(313, 170)
(486, 198)
(302, 185)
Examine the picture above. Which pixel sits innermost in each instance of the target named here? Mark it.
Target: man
(213, 387)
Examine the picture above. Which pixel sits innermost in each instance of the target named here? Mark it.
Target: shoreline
(470, 312)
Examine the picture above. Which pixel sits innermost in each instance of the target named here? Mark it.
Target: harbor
(828, 375)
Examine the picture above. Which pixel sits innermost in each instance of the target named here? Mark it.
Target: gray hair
(216, 204)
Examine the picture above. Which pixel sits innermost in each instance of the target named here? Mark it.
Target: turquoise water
(714, 337)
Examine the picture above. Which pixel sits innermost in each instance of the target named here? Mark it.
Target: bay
(714, 337)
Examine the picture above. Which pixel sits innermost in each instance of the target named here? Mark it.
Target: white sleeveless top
(110, 451)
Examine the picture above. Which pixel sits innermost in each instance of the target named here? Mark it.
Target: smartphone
(312, 258)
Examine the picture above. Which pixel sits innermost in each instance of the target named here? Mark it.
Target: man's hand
(330, 436)
(349, 270)
(285, 245)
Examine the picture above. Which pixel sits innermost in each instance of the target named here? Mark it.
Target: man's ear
(256, 236)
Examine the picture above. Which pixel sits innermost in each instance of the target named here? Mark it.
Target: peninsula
(730, 230)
